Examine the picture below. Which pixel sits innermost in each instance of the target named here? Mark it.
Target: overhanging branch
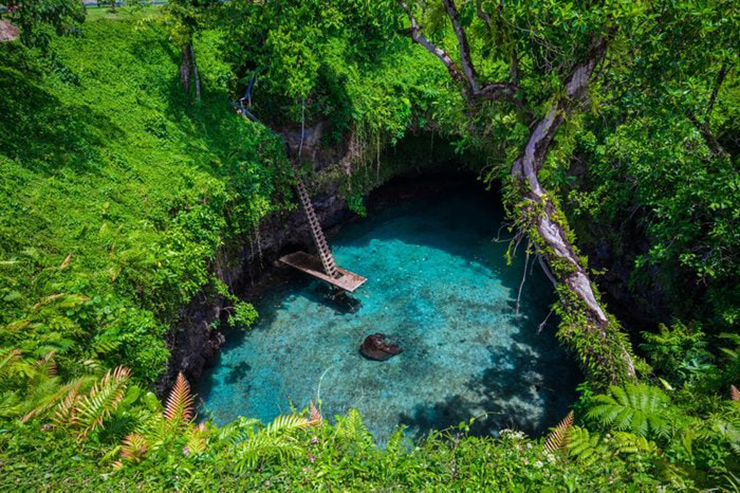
(468, 78)
(419, 38)
(462, 41)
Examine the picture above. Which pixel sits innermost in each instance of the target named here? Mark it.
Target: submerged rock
(375, 347)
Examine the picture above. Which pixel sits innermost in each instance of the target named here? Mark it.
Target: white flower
(513, 434)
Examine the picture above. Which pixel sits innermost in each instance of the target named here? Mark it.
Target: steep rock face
(195, 345)
(196, 342)
(280, 230)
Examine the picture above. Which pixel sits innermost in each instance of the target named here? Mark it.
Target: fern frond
(637, 408)
(396, 441)
(66, 412)
(286, 424)
(559, 436)
(103, 398)
(46, 366)
(179, 408)
(629, 443)
(351, 427)
(7, 360)
(586, 448)
(134, 447)
(10, 404)
(52, 399)
(263, 448)
(238, 431)
(196, 443)
(315, 415)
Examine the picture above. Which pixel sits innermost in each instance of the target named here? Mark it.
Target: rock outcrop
(8, 32)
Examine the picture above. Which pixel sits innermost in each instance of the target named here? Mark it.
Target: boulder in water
(375, 347)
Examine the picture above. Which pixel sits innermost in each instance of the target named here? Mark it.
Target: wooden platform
(311, 265)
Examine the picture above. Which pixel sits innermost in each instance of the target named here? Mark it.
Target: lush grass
(122, 13)
(105, 161)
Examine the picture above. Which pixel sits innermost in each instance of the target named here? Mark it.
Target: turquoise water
(438, 285)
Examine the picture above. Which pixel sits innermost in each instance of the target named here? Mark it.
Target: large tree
(558, 48)
(554, 68)
(185, 18)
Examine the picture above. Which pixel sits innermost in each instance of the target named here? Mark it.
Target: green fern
(11, 404)
(263, 448)
(197, 439)
(637, 408)
(276, 441)
(351, 427)
(104, 397)
(586, 448)
(628, 443)
(238, 431)
(731, 353)
(723, 424)
(286, 424)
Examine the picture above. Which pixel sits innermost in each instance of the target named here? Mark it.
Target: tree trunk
(195, 72)
(603, 348)
(185, 69)
(539, 216)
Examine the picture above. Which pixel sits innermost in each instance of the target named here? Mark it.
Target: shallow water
(439, 286)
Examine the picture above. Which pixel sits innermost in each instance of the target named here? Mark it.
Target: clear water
(438, 285)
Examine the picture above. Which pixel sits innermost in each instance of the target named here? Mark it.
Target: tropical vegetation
(129, 186)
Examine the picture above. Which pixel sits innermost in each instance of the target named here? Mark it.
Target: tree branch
(468, 78)
(485, 17)
(723, 71)
(715, 149)
(544, 214)
(419, 38)
(462, 41)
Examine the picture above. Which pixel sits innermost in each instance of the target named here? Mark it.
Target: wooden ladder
(327, 259)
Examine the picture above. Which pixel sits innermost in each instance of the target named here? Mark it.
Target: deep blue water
(440, 286)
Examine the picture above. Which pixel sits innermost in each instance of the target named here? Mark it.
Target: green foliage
(679, 352)
(638, 408)
(336, 62)
(116, 194)
(38, 20)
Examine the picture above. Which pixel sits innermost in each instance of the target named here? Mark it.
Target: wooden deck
(311, 265)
